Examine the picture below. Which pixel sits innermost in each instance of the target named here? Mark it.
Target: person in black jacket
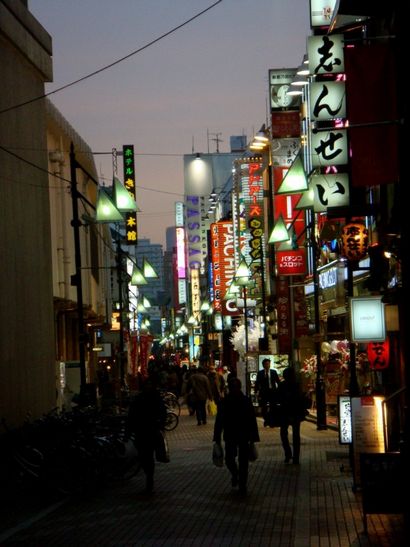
(146, 418)
(236, 420)
(266, 384)
(293, 410)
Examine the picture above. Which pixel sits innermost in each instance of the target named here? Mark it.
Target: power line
(32, 164)
(118, 61)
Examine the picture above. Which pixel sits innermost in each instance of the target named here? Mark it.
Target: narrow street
(193, 504)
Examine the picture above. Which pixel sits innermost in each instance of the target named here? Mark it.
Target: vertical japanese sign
(251, 209)
(223, 260)
(195, 293)
(284, 315)
(131, 233)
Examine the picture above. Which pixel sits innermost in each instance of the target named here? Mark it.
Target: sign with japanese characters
(279, 82)
(330, 191)
(291, 262)
(329, 147)
(367, 428)
(195, 293)
(131, 233)
(345, 419)
(327, 100)
(223, 261)
(284, 314)
(251, 209)
(326, 55)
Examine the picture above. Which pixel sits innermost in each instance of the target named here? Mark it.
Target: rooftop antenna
(193, 146)
(217, 139)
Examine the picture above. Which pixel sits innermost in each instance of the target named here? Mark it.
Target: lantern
(355, 239)
(378, 354)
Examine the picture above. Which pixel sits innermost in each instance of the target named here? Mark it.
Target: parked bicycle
(171, 402)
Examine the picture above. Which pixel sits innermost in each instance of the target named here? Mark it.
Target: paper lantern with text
(355, 240)
(378, 354)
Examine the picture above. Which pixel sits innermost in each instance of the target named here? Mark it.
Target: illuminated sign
(131, 233)
(367, 319)
(181, 291)
(330, 191)
(327, 100)
(326, 54)
(195, 293)
(329, 147)
(223, 261)
(179, 214)
(345, 419)
(291, 262)
(321, 12)
(181, 263)
(251, 209)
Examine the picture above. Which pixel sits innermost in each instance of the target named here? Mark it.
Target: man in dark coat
(146, 419)
(266, 384)
(200, 390)
(236, 420)
(294, 404)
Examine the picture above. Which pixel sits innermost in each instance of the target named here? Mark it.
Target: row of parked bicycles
(74, 451)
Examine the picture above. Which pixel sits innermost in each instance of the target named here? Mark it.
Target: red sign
(286, 124)
(222, 254)
(378, 354)
(291, 262)
(283, 307)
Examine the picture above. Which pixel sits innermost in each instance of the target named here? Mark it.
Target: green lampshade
(242, 274)
(137, 277)
(307, 199)
(106, 211)
(205, 305)
(279, 232)
(291, 243)
(146, 302)
(148, 271)
(295, 180)
(141, 308)
(123, 199)
(191, 320)
(232, 292)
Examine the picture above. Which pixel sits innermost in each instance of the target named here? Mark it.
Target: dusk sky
(209, 76)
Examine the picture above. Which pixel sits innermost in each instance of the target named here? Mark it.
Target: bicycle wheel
(171, 401)
(171, 421)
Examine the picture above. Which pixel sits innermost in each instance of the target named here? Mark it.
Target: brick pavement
(194, 505)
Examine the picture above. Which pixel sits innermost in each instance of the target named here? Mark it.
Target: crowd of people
(235, 414)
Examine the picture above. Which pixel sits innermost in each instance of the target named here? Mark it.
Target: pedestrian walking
(217, 383)
(293, 410)
(236, 423)
(266, 384)
(199, 390)
(146, 419)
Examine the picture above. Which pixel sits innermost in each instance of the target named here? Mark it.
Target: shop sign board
(345, 419)
(367, 319)
(367, 429)
(291, 262)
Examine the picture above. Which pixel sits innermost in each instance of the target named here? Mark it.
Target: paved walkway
(312, 504)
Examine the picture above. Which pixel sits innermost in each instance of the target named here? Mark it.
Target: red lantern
(378, 354)
(355, 239)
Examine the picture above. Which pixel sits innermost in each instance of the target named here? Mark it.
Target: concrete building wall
(27, 356)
